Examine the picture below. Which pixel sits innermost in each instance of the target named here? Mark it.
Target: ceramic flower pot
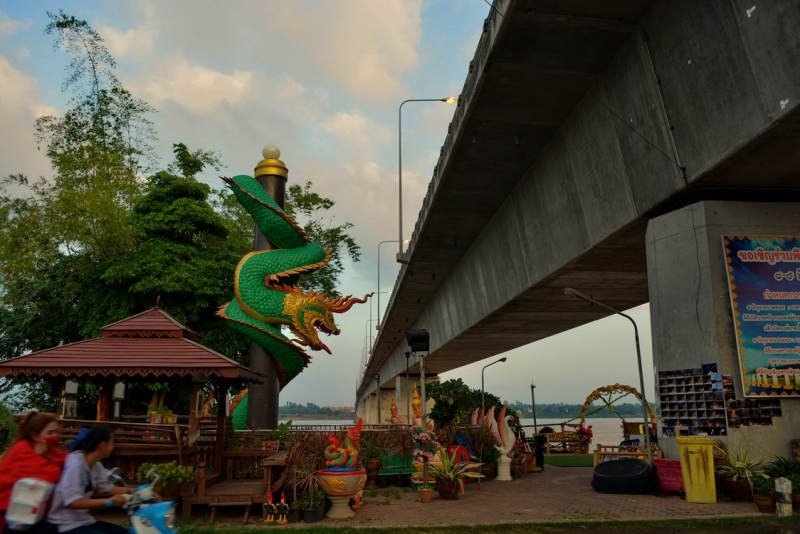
(737, 490)
(448, 489)
(373, 466)
(339, 484)
(765, 503)
(584, 448)
(425, 494)
(169, 491)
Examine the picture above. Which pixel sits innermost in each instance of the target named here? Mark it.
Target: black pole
(533, 408)
(263, 399)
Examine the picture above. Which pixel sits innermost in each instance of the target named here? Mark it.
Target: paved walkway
(556, 494)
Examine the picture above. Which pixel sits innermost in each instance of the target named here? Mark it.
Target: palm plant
(451, 469)
(741, 466)
(783, 467)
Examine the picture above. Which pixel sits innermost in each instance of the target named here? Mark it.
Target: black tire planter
(624, 476)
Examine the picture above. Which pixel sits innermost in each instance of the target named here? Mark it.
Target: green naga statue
(265, 297)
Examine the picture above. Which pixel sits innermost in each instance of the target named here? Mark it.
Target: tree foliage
(312, 211)
(98, 242)
(455, 403)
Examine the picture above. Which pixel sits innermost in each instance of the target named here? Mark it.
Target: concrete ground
(557, 494)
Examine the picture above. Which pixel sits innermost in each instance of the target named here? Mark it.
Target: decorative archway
(607, 396)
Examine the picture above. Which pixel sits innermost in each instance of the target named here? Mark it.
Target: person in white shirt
(84, 485)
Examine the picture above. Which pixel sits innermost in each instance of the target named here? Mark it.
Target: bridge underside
(579, 122)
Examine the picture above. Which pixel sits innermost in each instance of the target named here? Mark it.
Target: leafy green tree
(97, 149)
(455, 402)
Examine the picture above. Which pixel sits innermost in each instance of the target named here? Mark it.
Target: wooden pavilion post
(220, 435)
(194, 409)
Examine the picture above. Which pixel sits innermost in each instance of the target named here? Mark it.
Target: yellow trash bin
(697, 468)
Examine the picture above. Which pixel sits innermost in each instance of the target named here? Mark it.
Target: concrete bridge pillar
(690, 304)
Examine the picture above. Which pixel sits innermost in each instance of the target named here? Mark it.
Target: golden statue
(394, 419)
(206, 412)
(416, 404)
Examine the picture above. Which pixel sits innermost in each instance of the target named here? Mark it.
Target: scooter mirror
(115, 477)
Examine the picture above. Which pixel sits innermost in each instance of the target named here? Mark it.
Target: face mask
(51, 441)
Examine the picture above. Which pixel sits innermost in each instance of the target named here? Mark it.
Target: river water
(607, 430)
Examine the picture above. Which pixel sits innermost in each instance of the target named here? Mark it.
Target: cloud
(196, 89)
(8, 26)
(364, 46)
(20, 105)
(133, 43)
(356, 131)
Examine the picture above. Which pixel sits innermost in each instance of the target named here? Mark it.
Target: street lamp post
(378, 394)
(571, 293)
(533, 408)
(448, 100)
(379, 278)
(482, 370)
(408, 392)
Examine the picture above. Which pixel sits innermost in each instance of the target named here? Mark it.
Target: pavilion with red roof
(149, 345)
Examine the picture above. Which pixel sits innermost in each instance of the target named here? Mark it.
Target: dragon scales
(265, 297)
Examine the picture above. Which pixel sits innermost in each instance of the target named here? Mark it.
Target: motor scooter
(146, 513)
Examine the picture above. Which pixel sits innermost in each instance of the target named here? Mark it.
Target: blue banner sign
(764, 284)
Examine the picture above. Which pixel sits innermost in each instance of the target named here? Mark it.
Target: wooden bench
(563, 442)
(604, 453)
(397, 464)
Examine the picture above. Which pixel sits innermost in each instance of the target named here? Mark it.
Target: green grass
(717, 526)
(570, 460)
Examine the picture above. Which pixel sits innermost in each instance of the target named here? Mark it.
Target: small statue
(283, 510)
(270, 510)
(357, 503)
(207, 405)
(416, 405)
(394, 419)
(344, 454)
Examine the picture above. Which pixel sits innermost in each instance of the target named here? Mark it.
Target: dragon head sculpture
(311, 313)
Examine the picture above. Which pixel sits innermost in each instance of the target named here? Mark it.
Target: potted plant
(296, 508)
(585, 434)
(425, 494)
(451, 472)
(373, 458)
(738, 473)
(489, 458)
(789, 469)
(7, 426)
(170, 477)
(795, 480)
(315, 510)
(764, 494)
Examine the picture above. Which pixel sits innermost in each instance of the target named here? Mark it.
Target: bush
(763, 486)
(171, 472)
(7, 422)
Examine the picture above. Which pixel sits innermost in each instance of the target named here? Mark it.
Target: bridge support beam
(690, 306)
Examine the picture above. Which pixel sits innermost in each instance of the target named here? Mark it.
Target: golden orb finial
(271, 164)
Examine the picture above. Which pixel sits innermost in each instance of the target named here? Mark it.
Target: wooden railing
(563, 442)
(135, 443)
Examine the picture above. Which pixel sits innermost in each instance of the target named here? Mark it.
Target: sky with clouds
(323, 80)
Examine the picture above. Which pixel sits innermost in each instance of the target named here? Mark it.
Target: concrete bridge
(579, 123)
